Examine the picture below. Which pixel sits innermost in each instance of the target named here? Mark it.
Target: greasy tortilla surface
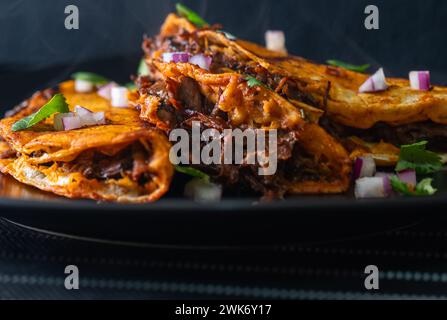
(398, 105)
(342, 102)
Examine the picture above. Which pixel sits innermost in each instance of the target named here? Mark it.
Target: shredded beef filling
(129, 162)
(288, 88)
(195, 107)
(8, 154)
(189, 93)
(188, 42)
(436, 134)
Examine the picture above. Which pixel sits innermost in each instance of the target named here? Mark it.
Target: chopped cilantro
(130, 86)
(143, 69)
(348, 66)
(90, 77)
(56, 104)
(253, 82)
(415, 156)
(423, 188)
(228, 35)
(192, 16)
(192, 172)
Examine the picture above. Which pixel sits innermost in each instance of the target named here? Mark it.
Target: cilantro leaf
(423, 188)
(400, 186)
(192, 16)
(349, 66)
(56, 104)
(253, 82)
(143, 70)
(192, 172)
(228, 35)
(130, 86)
(90, 77)
(415, 156)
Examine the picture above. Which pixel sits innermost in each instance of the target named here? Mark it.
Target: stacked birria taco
(93, 151)
(188, 81)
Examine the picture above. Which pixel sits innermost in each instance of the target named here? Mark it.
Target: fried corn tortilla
(124, 160)
(393, 117)
(399, 105)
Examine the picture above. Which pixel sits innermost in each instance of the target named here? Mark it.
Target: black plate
(175, 221)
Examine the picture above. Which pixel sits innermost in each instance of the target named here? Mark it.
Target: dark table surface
(412, 263)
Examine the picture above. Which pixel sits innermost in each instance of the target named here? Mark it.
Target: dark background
(411, 35)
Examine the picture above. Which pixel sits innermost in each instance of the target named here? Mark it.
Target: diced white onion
(202, 61)
(386, 182)
(375, 83)
(370, 188)
(83, 86)
(94, 119)
(420, 80)
(276, 40)
(82, 117)
(364, 167)
(57, 120)
(176, 57)
(203, 191)
(99, 117)
(71, 123)
(106, 90)
(81, 111)
(408, 176)
(119, 97)
(89, 118)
